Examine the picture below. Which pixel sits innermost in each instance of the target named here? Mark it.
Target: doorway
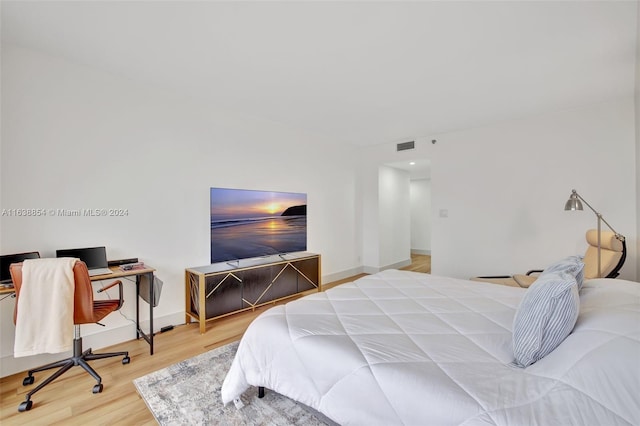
(419, 171)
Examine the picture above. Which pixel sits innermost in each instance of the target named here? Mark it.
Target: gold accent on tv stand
(237, 286)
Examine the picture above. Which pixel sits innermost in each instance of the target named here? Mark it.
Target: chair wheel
(126, 360)
(25, 406)
(28, 381)
(97, 388)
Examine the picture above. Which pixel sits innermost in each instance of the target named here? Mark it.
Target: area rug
(188, 393)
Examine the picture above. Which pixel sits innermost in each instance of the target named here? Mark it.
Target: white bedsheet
(408, 348)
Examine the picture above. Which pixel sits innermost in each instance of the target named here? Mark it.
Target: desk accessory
(132, 266)
(122, 261)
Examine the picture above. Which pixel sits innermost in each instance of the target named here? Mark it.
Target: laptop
(6, 261)
(94, 257)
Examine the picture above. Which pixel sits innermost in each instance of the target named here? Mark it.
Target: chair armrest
(525, 281)
(113, 284)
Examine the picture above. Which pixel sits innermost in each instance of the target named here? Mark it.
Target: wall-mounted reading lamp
(575, 203)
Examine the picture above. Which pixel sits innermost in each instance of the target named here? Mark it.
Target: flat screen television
(250, 223)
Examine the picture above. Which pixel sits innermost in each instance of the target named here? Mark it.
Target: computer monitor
(7, 259)
(94, 257)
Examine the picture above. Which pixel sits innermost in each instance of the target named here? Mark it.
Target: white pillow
(545, 317)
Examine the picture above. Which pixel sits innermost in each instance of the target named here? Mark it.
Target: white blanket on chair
(44, 321)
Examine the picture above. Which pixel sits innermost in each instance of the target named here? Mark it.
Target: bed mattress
(405, 348)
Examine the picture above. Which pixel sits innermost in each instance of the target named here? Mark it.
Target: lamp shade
(573, 203)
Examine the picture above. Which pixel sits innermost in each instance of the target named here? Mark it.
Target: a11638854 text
(57, 212)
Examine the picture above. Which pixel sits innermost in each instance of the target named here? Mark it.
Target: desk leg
(139, 332)
(137, 307)
(151, 301)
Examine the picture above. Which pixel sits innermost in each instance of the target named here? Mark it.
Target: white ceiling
(356, 72)
(418, 168)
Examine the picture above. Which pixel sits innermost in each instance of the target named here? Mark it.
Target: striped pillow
(572, 265)
(545, 317)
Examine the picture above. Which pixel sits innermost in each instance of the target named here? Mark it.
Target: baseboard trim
(423, 252)
(370, 269)
(112, 336)
(397, 265)
(326, 279)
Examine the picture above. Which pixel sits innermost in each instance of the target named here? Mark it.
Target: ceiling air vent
(406, 145)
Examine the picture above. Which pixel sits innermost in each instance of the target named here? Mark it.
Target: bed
(405, 348)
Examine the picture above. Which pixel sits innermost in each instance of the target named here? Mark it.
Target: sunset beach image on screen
(252, 223)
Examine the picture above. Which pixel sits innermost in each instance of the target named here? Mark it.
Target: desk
(6, 290)
(117, 274)
(138, 273)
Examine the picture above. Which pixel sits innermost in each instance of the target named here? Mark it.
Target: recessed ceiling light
(412, 163)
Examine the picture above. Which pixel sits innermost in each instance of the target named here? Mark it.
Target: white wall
(420, 194)
(637, 128)
(74, 138)
(505, 187)
(394, 210)
(369, 222)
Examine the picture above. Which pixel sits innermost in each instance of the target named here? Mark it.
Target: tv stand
(220, 289)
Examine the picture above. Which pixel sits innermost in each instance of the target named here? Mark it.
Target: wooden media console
(225, 288)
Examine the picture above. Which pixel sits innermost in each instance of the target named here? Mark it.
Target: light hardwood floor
(69, 400)
(419, 263)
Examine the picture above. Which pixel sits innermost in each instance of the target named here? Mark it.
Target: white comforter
(408, 348)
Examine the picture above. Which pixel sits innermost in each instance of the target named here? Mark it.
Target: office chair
(613, 254)
(86, 311)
